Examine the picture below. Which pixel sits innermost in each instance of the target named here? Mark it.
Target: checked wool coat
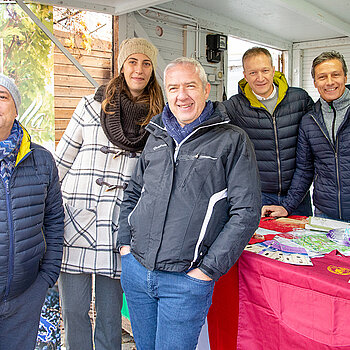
(91, 208)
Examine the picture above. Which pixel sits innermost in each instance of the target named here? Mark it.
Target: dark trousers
(20, 317)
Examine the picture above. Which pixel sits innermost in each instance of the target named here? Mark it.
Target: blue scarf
(8, 152)
(173, 127)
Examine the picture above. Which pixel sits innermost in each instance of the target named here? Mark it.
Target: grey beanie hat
(10, 85)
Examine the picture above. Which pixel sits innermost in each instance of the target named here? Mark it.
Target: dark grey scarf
(122, 127)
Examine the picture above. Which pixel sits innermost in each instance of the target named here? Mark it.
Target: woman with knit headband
(95, 158)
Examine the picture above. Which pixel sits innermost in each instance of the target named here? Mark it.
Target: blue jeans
(304, 208)
(19, 317)
(167, 309)
(75, 294)
(321, 214)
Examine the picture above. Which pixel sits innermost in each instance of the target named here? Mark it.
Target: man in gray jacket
(190, 208)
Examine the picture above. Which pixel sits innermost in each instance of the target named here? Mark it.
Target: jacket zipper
(338, 178)
(42, 232)
(333, 122)
(335, 150)
(11, 239)
(278, 156)
(11, 231)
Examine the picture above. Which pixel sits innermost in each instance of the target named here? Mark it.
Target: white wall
(304, 54)
(236, 49)
(180, 29)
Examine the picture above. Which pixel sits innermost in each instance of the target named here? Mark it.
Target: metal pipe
(37, 21)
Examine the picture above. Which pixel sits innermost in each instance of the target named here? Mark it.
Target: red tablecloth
(282, 306)
(223, 313)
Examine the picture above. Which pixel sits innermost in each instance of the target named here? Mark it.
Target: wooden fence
(70, 84)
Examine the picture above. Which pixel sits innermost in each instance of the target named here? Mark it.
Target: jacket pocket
(79, 227)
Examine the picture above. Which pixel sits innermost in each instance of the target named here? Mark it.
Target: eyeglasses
(106, 150)
(110, 187)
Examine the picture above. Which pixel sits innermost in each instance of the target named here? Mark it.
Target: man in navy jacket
(270, 112)
(31, 226)
(323, 145)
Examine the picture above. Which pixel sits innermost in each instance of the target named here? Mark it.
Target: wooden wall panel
(70, 84)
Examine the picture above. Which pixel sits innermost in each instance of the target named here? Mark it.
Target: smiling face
(185, 93)
(8, 113)
(137, 70)
(330, 79)
(258, 72)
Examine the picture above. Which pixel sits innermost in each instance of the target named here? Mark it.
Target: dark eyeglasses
(106, 150)
(110, 187)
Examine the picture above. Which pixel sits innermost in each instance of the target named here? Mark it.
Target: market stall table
(282, 306)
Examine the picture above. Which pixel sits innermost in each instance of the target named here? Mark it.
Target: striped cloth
(91, 208)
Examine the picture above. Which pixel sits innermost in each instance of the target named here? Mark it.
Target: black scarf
(122, 126)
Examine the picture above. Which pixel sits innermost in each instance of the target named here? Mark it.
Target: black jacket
(274, 136)
(199, 209)
(327, 164)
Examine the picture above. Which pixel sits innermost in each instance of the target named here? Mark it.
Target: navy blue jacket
(31, 222)
(274, 136)
(327, 164)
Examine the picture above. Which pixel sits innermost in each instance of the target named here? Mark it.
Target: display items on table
(340, 236)
(322, 224)
(265, 305)
(281, 249)
(300, 239)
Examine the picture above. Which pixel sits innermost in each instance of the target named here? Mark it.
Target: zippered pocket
(197, 162)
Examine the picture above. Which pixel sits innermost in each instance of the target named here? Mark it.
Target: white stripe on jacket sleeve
(212, 201)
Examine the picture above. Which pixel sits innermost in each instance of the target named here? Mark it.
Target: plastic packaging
(340, 236)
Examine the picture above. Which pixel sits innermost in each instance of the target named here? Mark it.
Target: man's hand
(273, 210)
(125, 249)
(197, 273)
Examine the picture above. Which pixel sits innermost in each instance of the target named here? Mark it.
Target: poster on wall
(27, 57)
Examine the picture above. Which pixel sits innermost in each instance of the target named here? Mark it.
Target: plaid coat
(91, 208)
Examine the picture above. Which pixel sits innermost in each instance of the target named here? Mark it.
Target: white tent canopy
(291, 20)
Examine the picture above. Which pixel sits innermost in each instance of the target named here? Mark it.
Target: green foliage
(28, 59)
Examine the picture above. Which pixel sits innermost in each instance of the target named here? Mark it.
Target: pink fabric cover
(283, 306)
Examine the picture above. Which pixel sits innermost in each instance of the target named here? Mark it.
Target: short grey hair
(326, 56)
(188, 61)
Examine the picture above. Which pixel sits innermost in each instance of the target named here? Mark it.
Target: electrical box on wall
(216, 43)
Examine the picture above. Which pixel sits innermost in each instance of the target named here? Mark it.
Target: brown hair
(151, 95)
(256, 51)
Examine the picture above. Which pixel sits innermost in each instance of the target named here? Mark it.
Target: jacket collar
(279, 79)
(219, 116)
(25, 145)
(316, 112)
